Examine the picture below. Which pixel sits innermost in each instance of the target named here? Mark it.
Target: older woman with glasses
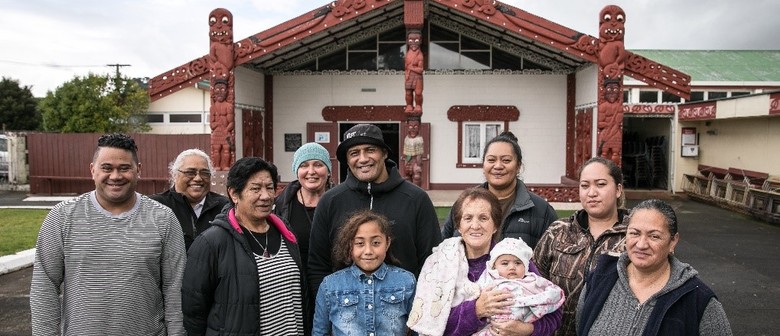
(244, 274)
(190, 196)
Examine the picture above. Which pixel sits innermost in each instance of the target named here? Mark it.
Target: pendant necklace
(265, 248)
(303, 201)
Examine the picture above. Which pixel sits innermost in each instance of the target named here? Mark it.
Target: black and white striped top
(117, 274)
(281, 303)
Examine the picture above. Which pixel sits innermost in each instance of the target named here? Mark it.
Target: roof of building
(721, 65)
(340, 23)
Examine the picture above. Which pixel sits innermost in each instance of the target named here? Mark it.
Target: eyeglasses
(191, 173)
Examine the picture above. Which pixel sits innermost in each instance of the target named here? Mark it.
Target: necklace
(305, 210)
(265, 248)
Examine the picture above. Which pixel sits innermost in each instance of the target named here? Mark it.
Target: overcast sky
(47, 42)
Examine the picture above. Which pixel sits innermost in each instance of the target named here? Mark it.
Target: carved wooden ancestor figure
(612, 59)
(610, 121)
(222, 125)
(413, 79)
(413, 152)
(221, 61)
(612, 52)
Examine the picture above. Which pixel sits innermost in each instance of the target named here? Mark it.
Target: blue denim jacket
(351, 303)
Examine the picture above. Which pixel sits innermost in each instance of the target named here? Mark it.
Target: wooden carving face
(221, 26)
(413, 40)
(219, 92)
(413, 128)
(612, 22)
(611, 92)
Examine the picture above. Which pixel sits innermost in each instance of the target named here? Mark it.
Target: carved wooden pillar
(611, 60)
(221, 60)
(414, 66)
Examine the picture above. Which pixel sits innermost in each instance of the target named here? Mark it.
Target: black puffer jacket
(191, 225)
(219, 289)
(528, 219)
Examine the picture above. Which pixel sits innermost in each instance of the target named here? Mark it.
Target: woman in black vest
(647, 290)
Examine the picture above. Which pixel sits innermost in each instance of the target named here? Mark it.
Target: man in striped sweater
(109, 262)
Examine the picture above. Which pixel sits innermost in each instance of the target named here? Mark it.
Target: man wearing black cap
(373, 182)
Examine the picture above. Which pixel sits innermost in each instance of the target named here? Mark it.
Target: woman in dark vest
(647, 290)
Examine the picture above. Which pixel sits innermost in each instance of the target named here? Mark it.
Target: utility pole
(117, 66)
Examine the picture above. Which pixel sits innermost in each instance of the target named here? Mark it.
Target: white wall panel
(587, 86)
(250, 87)
(185, 100)
(541, 128)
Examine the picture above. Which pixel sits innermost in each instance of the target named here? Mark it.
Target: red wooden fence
(59, 163)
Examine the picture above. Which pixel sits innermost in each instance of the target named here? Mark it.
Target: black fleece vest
(677, 312)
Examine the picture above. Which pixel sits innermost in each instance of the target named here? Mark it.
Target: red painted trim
(314, 22)
(774, 104)
(715, 88)
(364, 113)
(698, 111)
(571, 91)
(658, 75)
(180, 77)
(525, 24)
(414, 14)
(268, 121)
(483, 113)
(505, 17)
(649, 109)
(461, 113)
(460, 146)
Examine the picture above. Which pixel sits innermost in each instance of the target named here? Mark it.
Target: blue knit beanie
(310, 151)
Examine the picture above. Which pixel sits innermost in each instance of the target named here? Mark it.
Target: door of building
(326, 134)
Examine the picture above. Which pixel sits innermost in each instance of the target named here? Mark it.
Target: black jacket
(528, 219)
(219, 289)
(191, 225)
(282, 202)
(409, 209)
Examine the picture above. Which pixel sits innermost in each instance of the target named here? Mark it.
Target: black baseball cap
(360, 134)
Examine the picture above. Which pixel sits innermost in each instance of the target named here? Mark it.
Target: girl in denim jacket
(366, 296)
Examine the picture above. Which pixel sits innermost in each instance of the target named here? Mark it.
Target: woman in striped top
(244, 274)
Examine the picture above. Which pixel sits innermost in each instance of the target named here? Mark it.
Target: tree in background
(96, 104)
(17, 107)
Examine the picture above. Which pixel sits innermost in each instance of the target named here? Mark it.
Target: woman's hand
(510, 328)
(493, 302)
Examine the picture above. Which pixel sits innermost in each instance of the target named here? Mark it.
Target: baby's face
(509, 267)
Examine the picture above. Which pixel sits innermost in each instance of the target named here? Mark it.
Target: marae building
(489, 67)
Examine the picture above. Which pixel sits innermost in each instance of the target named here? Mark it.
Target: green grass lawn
(19, 229)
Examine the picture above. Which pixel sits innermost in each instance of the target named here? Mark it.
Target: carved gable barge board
(319, 20)
(515, 21)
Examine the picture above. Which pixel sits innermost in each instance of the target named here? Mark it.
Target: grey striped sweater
(98, 274)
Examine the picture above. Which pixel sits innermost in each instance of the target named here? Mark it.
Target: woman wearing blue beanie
(311, 166)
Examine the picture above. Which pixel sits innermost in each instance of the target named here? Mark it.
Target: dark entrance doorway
(646, 148)
(390, 131)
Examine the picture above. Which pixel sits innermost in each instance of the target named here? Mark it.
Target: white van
(3, 158)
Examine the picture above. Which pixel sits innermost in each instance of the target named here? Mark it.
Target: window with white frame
(475, 136)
